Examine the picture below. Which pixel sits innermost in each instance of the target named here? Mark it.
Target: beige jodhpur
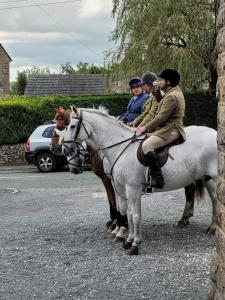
(155, 142)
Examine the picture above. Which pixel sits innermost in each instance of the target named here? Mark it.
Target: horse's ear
(74, 109)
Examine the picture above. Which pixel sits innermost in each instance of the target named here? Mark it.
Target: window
(48, 132)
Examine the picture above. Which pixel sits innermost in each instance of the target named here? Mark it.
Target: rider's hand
(141, 129)
(131, 123)
(134, 124)
(157, 85)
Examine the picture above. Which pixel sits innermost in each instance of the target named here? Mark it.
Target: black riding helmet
(149, 78)
(171, 75)
(134, 82)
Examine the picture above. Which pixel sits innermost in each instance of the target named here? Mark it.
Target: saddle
(162, 153)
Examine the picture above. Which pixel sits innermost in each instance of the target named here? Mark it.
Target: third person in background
(135, 105)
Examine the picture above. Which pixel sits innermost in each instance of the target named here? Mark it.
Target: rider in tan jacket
(167, 125)
(151, 104)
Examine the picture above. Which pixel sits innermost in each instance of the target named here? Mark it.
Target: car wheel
(46, 162)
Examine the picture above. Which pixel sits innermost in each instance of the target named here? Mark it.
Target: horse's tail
(199, 188)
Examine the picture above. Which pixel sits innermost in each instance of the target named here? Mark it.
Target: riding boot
(152, 161)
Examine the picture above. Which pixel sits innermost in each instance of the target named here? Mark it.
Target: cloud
(51, 35)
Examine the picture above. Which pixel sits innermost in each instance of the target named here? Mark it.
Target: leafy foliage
(82, 68)
(21, 115)
(19, 86)
(155, 34)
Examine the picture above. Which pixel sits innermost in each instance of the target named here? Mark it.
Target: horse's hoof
(119, 239)
(108, 230)
(132, 251)
(183, 223)
(112, 226)
(127, 245)
(211, 230)
(108, 224)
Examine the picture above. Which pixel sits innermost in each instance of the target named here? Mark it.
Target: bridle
(131, 140)
(80, 154)
(74, 141)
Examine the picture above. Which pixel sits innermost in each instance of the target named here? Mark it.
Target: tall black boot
(151, 160)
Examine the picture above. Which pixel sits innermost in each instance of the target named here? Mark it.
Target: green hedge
(21, 115)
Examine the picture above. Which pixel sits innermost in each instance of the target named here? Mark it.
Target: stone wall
(4, 71)
(12, 154)
(218, 263)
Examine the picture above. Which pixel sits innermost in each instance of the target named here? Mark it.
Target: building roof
(1, 47)
(69, 85)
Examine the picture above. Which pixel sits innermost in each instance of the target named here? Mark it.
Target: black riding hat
(171, 75)
(134, 82)
(149, 78)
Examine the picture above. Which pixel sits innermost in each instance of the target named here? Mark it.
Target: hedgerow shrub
(19, 116)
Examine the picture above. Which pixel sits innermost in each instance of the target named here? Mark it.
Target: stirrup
(147, 186)
(157, 182)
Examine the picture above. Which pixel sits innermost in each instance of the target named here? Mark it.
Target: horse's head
(75, 133)
(76, 161)
(62, 119)
(56, 141)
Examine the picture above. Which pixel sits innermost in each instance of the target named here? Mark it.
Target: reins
(132, 140)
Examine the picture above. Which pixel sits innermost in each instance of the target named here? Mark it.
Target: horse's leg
(128, 243)
(122, 221)
(114, 214)
(134, 204)
(189, 206)
(211, 188)
(97, 168)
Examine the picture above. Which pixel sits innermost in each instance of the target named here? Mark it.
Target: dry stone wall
(12, 154)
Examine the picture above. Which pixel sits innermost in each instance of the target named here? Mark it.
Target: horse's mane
(104, 112)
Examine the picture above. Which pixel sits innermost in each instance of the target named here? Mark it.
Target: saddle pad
(162, 153)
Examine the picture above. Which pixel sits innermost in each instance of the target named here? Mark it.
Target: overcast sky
(51, 35)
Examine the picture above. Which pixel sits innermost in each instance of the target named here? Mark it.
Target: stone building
(218, 264)
(5, 60)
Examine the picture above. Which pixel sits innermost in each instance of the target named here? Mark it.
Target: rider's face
(137, 90)
(148, 88)
(163, 84)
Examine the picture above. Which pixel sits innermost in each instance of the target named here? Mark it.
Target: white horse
(195, 159)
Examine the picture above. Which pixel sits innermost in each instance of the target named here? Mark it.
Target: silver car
(38, 150)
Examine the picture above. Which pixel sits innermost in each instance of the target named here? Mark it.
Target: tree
(82, 68)
(218, 262)
(18, 87)
(155, 34)
(67, 68)
(36, 71)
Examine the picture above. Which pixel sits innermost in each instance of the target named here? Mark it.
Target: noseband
(80, 157)
(74, 141)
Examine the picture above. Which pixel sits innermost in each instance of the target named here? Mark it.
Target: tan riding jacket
(169, 115)
(150, 107)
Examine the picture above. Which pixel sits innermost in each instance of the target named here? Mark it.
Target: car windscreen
(48, 132)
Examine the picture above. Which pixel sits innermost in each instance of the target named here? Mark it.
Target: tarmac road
(53, 245)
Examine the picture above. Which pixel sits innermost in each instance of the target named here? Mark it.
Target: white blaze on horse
(194, 160)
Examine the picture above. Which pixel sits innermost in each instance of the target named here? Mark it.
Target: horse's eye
(72, 126)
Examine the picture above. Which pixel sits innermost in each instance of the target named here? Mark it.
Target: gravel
(53, 244)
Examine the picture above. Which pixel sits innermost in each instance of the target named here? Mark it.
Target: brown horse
(97, 168)
(62, 118)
